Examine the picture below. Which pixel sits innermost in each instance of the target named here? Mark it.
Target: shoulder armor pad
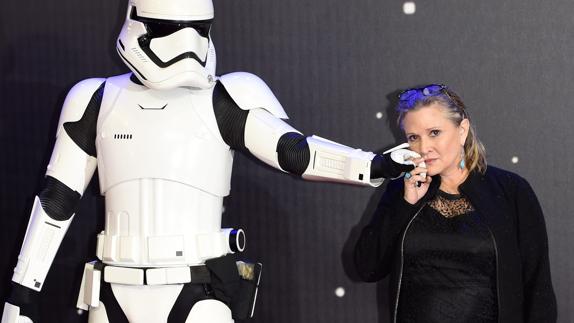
(122, 80)
(250, 92)
(77, 100)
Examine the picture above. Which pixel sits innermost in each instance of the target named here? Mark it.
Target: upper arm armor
(78, 99)
(249, 116)
(73, 159)
(250, 92)
(83, 131)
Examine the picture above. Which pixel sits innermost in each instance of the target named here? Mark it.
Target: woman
(462, 242)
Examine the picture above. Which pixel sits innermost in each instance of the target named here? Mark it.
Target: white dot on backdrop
(514, 160)
(379, 115)
(340, 292)
(409, 8)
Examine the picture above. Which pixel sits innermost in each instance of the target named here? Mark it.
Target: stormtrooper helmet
(167, 43)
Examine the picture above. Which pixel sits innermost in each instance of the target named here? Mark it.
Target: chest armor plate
(171, 135)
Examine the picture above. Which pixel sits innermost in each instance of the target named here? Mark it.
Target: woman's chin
(432, 171)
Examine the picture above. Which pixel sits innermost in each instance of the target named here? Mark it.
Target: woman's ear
(463, 130)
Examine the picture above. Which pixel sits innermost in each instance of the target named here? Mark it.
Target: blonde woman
(462, 241)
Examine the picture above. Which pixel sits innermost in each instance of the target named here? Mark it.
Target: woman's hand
(413, 191)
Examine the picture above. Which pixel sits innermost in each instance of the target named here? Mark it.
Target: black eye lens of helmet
(157, 28)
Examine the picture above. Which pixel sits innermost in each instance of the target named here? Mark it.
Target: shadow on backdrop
(382, 289)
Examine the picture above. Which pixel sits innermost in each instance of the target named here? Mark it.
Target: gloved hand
(385, 166)
(21, 306)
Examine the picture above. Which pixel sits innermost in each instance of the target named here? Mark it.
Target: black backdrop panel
(335, 66)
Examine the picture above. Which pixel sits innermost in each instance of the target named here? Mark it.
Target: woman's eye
(412, 138)
(434, 133)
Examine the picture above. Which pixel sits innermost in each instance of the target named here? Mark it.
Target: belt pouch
(238, 291)
(243, 304)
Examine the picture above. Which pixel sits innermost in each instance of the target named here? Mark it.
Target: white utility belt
(156, 276)
(90, 289)
(170, 249)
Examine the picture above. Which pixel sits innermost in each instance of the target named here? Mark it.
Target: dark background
(334, 65)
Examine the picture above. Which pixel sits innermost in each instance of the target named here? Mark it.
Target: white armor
(164, 169)
(164, 199)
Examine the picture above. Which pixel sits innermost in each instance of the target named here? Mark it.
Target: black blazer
(508, 206)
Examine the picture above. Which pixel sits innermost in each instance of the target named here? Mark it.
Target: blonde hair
(474, 151)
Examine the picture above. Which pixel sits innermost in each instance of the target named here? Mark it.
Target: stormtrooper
(163, 139)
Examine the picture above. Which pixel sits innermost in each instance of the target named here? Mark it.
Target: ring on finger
(408, 175)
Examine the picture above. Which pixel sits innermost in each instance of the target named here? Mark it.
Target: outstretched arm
(71, 167)
(250, 118)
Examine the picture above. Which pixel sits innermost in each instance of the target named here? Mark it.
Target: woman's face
(432, 134)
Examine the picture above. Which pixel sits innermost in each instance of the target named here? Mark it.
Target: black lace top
(449, 272)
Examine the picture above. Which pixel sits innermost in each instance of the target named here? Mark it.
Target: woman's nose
(424, 146)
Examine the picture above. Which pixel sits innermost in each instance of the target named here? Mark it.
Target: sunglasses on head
(409, 95)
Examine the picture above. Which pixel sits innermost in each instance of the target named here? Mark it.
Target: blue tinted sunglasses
(411, 95)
